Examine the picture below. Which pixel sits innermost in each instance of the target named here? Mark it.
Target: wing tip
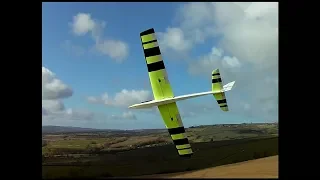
(225, 109)
(215, 71)
(232, 83)
(146, 32)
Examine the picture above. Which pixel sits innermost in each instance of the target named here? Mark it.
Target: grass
(161, 159)
(78, 143)
(106, 154)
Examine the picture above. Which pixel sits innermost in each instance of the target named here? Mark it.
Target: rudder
(217, 86)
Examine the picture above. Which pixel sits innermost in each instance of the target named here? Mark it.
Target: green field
(88, 142)
(162, 159)
(151, 152)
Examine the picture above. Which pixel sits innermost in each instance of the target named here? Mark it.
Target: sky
(93, 65)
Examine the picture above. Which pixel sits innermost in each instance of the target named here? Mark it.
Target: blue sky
(93, 49)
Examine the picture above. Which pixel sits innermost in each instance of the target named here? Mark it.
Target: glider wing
(161, 89)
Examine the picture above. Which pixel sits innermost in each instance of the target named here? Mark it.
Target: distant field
(75, 143)
(136, 153)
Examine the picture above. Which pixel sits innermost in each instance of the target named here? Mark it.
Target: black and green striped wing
(161, 89)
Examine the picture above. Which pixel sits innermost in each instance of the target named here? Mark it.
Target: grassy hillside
(161, 159)
(130, 153)
(86, 142)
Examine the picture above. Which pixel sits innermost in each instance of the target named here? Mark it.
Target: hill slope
(258, 168)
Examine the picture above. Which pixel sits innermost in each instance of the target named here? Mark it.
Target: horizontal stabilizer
(228, 86)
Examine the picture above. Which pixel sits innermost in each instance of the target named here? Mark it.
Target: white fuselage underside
(152, 103)
(168, 100)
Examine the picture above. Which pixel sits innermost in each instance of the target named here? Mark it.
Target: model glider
(163, 94)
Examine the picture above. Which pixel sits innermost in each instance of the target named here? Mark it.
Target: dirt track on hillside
(259, 168)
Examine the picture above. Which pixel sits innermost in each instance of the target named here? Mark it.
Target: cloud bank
(244, 38)
(54, 91)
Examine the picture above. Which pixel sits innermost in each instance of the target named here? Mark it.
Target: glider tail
(220, 89)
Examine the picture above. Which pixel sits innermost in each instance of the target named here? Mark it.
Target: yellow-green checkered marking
(150, 45)
(183, 146)
(185, 151)
(148, 37)
(153, 59)
(178, 136)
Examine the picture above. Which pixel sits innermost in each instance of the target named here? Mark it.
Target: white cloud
(128, 115)
(247, 37)
(123, 98)
(54, 111)
(92, 99)
(247, 106)
(124, 116)
(117, 50)
(83, 24)
(255, 87)
(195, 14)
(253, 37)
(217, 52)
(67, 115)
(248, 31)
(76, 114)
(53, 92)
(53, 88)
(175, 39)
(192, 109)
(230, 61)
(266, 10)
(52, 105)
(214, 59)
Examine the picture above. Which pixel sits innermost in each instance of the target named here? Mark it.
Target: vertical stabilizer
(217, 86)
